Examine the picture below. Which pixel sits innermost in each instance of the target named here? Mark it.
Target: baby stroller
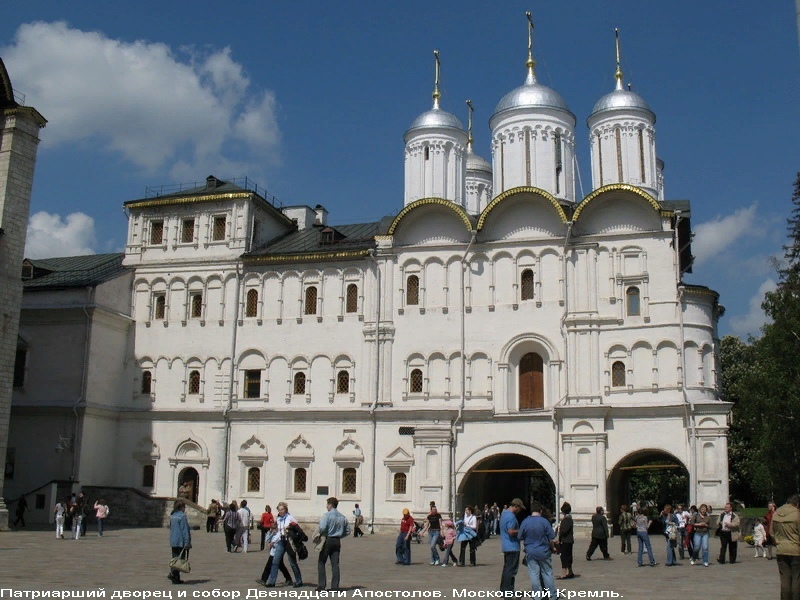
(415, 535)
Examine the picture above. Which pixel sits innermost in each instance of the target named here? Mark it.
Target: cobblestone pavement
(136, 559)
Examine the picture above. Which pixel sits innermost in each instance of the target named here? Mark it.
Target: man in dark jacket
(599, 534)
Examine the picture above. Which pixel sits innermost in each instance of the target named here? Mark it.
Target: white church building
(499, 337)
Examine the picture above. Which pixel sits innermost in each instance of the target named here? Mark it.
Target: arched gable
(549, 221)
(431, 221)
(617, 207)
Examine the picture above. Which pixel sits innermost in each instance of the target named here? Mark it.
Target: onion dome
(436, 118)
(621, 99)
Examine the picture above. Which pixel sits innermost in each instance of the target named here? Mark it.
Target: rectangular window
(156, 232)
(218, 233)
(159, 307)
(19, 367)
(148, 476)
(39, 501)
(11, 460)
(252, 383)
(187, 231)
(196, 305)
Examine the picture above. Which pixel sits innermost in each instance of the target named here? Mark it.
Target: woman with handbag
(180, 539)
(468, 535)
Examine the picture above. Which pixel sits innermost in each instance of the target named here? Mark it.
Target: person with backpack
(670, 522)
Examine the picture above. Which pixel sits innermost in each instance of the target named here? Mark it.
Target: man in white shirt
(244, 516)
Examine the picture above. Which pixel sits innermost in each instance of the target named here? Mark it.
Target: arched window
(352, 298)
(632, 305)
(427, 153)
(253, 479)
(197, 305)
(399, 484)
(300, 383)
(342, 382)
(415, 382)
(300, 477)
(311, 300)
(349, 480)
(194, 382)
(531, 382)
(412, 290)
(159, 310)
(252, 303)
(148, 476)
(618, 374)
(147, 382)
(526, 285)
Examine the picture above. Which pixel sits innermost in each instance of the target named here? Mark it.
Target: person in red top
(403, 544)
(770, 541)
(267, 521)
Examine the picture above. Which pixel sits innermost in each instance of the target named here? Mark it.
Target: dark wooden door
(531, 382)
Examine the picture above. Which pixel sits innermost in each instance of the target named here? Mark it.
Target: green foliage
(762, 378)
(662, 486)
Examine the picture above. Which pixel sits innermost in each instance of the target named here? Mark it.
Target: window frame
(196, 304)
(161, 225)
(527, 285)
(251, 304)
(633, 291)
(151, 469)
(185, 228)
(412, 389)
(146, 387)
(250, 379)
(193, 383)
(216, 235)
(297, 378)
(618, 367)
(249, 478)
(310, 300)
(159, 306)
(351, 294)
(412, 293)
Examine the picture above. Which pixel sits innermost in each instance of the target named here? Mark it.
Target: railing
(243, 182)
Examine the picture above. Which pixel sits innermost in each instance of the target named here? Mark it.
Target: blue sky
(311, 100)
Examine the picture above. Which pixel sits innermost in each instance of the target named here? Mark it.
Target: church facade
(498, 337)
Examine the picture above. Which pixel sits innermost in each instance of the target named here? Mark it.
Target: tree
(762, 378)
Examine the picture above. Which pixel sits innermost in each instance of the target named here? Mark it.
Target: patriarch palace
(498, 337)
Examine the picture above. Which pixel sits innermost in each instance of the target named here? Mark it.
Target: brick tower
(19, 139)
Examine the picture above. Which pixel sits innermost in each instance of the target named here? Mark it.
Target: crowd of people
(535, 538)
(72, 514)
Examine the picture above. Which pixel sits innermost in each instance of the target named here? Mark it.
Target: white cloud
(750, 323)
(713, 237)
(160, 109)
(51, 235)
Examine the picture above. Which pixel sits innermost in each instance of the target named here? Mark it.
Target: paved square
(136, 559)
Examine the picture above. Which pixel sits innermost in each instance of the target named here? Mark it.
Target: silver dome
(622, 100)
(436, 118)
(476, 163)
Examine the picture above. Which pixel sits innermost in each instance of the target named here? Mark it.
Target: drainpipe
(374, 406)
(229, 405)
(459, 417)
(567, 240)
(689, 409)
(84, 383)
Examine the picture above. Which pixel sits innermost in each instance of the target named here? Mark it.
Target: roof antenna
(530, 63)
(436, 94)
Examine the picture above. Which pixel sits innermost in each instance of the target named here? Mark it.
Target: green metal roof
(73, 271)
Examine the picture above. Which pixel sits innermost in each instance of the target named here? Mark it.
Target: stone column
(19, 140)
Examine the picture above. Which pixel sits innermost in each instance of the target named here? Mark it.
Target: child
(759, 537)
(274, 538)
(449, 540)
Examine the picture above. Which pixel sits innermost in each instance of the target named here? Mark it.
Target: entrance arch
(502, 476)
(188, 484)
(647, 476)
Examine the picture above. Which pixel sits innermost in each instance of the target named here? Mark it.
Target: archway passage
(648, 477)
(503, 477)
(188, 484)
